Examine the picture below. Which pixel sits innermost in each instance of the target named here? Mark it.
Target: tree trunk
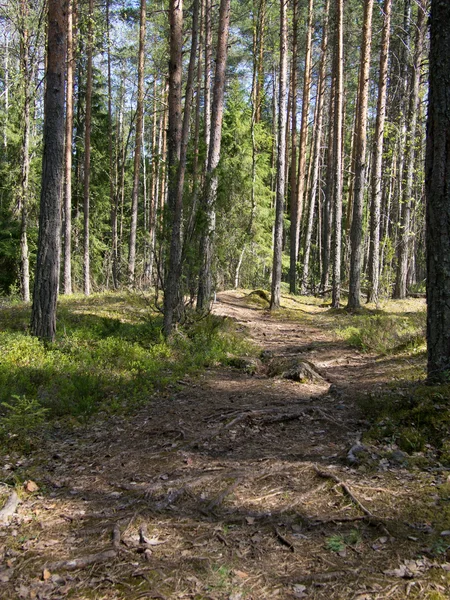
(275, 299)
(297, 210)
(25, 72)
(316, 153)
(377, 170)
(87, 151)
(172, 295)
(261, 31)
(211, 183)
(360, 161)
(293, 172)
(438, 196)
(337, 152)
(208, 61)
(137, 144)
(68, 149)
(410, 152)
(43, 315)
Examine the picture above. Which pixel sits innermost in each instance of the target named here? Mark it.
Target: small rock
(31, 486)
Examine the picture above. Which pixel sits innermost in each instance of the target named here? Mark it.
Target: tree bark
(43, 315)
(317, 147)
(297, 209)
(377, 170)
(360, 161)
(337, 152)
(87, 152)
(438, 196)
(71, 18)
(173, 296)
(293, 257)
(211, 183)
(410, 152)
(275, 299)
(137, 144)
(25, 72)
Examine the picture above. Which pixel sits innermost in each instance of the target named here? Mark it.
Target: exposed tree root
(9, 508)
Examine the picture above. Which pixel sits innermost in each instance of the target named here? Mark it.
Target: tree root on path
(10, 508)
(82, 561)
(368, 515)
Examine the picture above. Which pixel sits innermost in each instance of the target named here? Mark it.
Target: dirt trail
(231, 486)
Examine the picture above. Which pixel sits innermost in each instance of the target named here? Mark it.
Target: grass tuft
(109, 355)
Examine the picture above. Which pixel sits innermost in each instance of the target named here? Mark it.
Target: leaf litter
(232, 486)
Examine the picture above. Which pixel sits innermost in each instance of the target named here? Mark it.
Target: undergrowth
(109, 356)
(383, 332)
(414, 418)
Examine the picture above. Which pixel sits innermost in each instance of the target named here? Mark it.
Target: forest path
(231, 486)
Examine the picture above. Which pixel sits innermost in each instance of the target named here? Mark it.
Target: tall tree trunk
(6, 84)
(87, 151)
(329, 193)
(405, 220)
(260, 34)
(71, 18)
(43, 314)
(26, 75)
(297, 208)
(211, 183)
(112, 171)
(316, 153)
(275, 299)
(377, 170)
(438, 196)
(173, 296)
(293, 172)
(360, 161)
(208, 61)
(337, 152)
(153, 188)
(137, 144)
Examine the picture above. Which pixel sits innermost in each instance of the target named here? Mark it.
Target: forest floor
(235, 485)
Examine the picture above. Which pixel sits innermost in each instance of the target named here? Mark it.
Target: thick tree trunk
(43, 315)
(360, 161)
(137, 144)
(337, 152)
(438, 196)
(378, 146)
(410, 152)
(275, 299)
(211, 183)
(87, 153)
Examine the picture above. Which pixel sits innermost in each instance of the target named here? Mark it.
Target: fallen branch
(10, 508)
(82, 561)
(283, 540)
(346, 489)
(116, 537)
(217, 501)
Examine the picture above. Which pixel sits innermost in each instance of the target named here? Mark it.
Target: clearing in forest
(255, 480)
